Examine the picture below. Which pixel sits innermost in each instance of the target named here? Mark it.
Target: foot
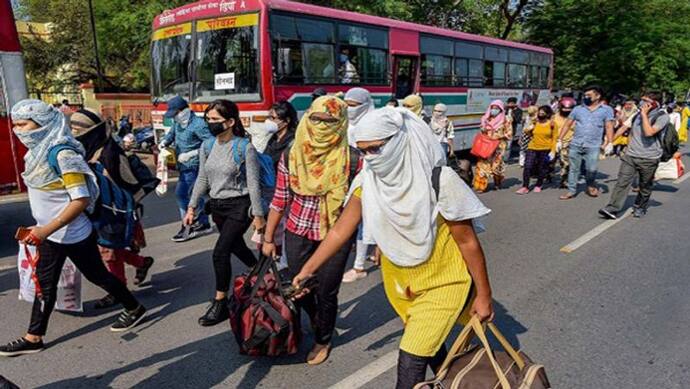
(592, 192)
(106, 302)
(635, 190)
(639, 213)
(199, 229)
(537, 189)
(319, 354)
(353, 275)
(143, 271)
(567, 196)
(21, 346)
(522, 191)
(217, 313)
(128, 319)
(182, 235)
(608, 214)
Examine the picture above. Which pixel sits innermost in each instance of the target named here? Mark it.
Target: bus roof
(215, 8)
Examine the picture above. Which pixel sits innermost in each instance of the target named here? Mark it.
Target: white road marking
(366, 374)
(681, 179)
(593, 233)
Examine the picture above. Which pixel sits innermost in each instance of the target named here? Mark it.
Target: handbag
(483, 146)
(478, 366)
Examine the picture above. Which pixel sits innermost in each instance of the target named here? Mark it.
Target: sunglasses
(375, 149)
(317, 121)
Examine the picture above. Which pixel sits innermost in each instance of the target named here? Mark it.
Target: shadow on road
(9, 279)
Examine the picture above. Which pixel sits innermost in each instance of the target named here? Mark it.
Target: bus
(256, 52)
(12, 90)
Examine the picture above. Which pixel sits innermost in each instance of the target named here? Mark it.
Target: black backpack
(670, 143)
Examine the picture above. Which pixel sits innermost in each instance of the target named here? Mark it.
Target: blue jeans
(183, 193)
(578, 154)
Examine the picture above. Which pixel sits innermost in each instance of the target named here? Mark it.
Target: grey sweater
(221, 178)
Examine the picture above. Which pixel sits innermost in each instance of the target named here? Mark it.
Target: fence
(74, 99)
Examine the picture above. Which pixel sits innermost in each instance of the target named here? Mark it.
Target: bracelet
(269, 242)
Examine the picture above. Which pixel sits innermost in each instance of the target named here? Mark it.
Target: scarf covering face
(319, 159)
(415, 103)
(355, 114)
(439, 121)
(399, 206)
(54, 131)
(494, 123)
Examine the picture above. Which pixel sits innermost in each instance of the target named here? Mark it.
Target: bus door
(404, 75)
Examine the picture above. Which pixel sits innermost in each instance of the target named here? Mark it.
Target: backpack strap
(239, 150)
(436, 180)
(53, 156)
(207, 145)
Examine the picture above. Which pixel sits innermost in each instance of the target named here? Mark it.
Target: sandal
(592, 192)
(567, 196)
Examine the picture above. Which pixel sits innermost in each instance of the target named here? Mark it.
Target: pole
(95, 44)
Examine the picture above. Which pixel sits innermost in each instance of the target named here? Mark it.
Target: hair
(547, 109)
(286, 112)
(654, 95)
(65, 102)
(512, 100)
(394, 101)
(228, 110)
(532, 110)
(595, 88)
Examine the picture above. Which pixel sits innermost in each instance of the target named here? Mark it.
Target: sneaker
(522, 191)
(21, 346)
(182, 235)
(142, 272)
(537, 189)
(199, 229)
(106, 302)
(217, 312)
(128, 319)
(639, 213)
(353, 275)
(607, 214)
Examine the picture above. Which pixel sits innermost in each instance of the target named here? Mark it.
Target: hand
(559, 146)
(645, 108)
(38, 234)
(552, 156)
(608, 149)
(377, 256)
(259, 224)
(188, 219)
(483, 308)
(184, 157)
(299, 278)
(269, 249)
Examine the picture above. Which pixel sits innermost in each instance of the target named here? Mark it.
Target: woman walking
(496, 124)
(442, 127)
(541, 150)
(431, 257)
(235, 192)
(58, 203)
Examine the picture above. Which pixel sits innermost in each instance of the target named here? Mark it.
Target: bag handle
(506, 345)
(481, 334)
(260, 270)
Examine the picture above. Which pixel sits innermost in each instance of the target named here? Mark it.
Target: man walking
(590, 120)
(187, 133)
(642, 158)
(515, 114)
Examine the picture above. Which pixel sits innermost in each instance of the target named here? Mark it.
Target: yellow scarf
(415, 104)
(319, 160)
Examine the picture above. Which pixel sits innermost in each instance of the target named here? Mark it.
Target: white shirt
(47, 204)
(675, 119)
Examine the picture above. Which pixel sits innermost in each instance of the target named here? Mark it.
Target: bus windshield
(170, 57)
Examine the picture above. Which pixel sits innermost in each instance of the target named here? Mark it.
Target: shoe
(128, 319)
(639, 213)
(142, 272)
(592, 192)
(199, 229)
(318, 354)
(21, 346)
(216, 313)
(537, 189)
(607, 214)
(567, 196)
(353, 275)
(182, 235)
(522, 191)
(106, 302)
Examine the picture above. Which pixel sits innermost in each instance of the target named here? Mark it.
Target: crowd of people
(346, 175)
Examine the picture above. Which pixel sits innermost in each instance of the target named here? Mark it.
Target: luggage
(263, 320)
(477, 366)
(670, 170)
(483, 146)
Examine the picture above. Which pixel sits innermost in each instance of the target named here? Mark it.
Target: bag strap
(53, 156)
(506, 345)
(436, 180)
(481, 334)
(239, 150)
(263, 265)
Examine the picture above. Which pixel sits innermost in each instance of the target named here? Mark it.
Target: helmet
(567, 102)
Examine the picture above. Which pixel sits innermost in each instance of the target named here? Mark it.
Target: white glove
(552, 156)
(559, 146)
(185, 157)
(162, 146)
(608, 150)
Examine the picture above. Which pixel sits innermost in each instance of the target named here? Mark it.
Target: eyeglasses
(374, 149)
(408, 106)
(317, 121)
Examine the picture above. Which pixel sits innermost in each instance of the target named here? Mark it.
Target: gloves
(559, 146)
(552, 156)
(186, 157)
(608, 150)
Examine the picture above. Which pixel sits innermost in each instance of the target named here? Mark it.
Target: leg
(239, 246)
(411, 370)
(191, 180)
(182, 191)
(530, 158)
(297, 250)
(646, 169)
(542, 166)
(575, 157)
(114, 263)
(131, 258)
(591, 162)
(565, 164)
(626, 173)
(48, 271)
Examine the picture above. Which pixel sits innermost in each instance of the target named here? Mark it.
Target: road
(612, 313)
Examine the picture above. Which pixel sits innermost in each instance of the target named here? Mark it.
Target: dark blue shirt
(188, 139)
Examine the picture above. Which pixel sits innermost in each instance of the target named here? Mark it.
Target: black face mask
(588, 101)
(94, 140)
(216, 128)
(565, 114)
(541, 117)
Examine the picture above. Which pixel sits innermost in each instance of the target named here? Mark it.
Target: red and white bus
(255, 52)
(12, 89)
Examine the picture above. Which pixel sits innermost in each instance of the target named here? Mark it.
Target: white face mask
(495, 111)
(270, 126)
(183, 117)
(356, 113)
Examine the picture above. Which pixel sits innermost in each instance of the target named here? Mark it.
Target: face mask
(565, 113)
(216, 128)
(343, 58)
(270, 126)
(356, 113)
(541, 116)
(183, 117)
(588, 101)
(494, 111)
(32, 138)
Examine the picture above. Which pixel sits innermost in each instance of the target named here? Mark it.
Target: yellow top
(685, 117)
(544, 136)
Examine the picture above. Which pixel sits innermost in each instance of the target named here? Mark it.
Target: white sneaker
(353, 275)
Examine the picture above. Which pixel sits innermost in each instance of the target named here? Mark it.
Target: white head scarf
(399, 205)
(439, 121)
(355, 114)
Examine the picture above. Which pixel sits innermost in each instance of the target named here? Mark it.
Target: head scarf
(439, 121)
(415, 103)
(90, 130)
(354, 114)
(54, 131)
(494, 123)
(399, 205)
(319, 159)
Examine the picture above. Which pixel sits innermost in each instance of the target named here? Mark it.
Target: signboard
(227, 22)
(169, 32)
(225, 81)
(478, 100)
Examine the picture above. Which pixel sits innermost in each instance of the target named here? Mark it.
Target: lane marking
(367, 374)
(681, 179)
(593, 233)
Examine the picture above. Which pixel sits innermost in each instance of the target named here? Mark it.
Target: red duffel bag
(263, 320)
(483, 146)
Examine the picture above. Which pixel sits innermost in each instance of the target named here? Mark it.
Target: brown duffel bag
(477, 366)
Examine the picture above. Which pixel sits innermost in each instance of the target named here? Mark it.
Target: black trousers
(321, 305)
(232, 218)
(412, 368)
(536, 161)
(87, 259)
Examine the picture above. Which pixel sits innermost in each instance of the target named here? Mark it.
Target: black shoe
(128, 319)
(182, 235)
(216, 313)
(639, 213)
(106, 302)
(199, 229)
(607, 214)
(21, 346)
(142, 272)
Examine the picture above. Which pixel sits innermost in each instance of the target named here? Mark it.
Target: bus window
(517, 75)
(362, 55)
(436, 70)
(495, 66)
(227, 55)
(319, 64)
(170, 58)
(469, 72)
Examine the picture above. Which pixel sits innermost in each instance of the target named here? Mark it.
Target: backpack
(263, 320)
(239, 150)
(670, 143)
(114, 218)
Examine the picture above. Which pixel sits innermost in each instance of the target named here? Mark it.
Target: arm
(566, 127)
(253, 174)
(621, 130)
(281, 199)
(508, 129)
(169, 138)
(554, 136)
(451, 136)
(201, 188)
(609, 131)
(73, 209)
(648, 129)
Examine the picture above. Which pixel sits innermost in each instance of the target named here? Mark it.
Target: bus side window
(289, 64)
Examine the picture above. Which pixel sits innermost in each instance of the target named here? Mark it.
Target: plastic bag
(162, 172)
(670, 170)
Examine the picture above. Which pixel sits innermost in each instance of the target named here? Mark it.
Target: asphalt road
(613, 313)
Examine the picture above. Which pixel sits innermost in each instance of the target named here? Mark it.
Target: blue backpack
(114, 217)
(239, 150)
